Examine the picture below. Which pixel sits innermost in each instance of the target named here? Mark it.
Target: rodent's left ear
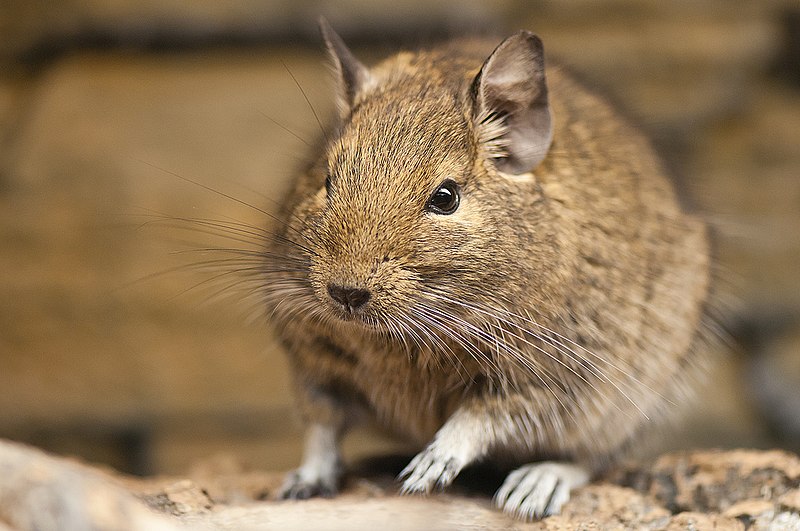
(352, 77)
(510, 104)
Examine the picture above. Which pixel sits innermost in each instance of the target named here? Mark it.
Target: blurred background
(109, 108)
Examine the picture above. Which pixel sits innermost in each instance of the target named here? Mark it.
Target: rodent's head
(425, 194)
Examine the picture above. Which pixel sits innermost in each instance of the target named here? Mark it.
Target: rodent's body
(550, 316)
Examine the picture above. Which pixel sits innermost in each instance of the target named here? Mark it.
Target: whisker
(276, 122)
(235, 231)
(529, 320)
(437, 343)
(308, 101)
(522, 361)
(232, 198)
(570, 355)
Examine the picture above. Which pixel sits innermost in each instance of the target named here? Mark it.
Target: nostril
(358, 298)
(337, 293)
(351, 298)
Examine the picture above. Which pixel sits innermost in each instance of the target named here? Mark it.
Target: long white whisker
(571, 355)
(490, 340)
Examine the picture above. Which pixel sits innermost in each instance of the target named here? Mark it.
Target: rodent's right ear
(352, 77)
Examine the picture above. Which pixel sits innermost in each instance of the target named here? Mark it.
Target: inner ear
(511, 107)
(352, 77)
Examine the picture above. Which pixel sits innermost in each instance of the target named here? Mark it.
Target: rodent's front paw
(430, 468)
(539, 489)
(305, 483)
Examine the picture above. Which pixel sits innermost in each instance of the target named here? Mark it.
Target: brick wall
(102, 102)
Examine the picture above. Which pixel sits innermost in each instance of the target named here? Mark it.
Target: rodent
(487, 259)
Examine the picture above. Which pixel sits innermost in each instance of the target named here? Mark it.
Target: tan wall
(101, 359)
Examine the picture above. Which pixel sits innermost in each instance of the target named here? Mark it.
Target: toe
(539, 489)
(428, 471)
(299, 486)
(539, 495)
(557, 500)
(522, 490)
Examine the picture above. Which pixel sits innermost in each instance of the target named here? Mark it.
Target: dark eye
(445, 199)
(328, 185)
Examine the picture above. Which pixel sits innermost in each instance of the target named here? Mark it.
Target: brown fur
(584, 283)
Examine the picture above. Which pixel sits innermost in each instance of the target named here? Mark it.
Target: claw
(428, 470)
(295, 487)
(539, 489)
(307, 482)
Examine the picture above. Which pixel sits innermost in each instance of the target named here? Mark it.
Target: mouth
(358, 317)
(347, 314)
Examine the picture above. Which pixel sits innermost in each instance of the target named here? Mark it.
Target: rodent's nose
(351, 298)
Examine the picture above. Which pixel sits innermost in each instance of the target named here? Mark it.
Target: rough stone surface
(733, 490)
(716, 480)
(39, 492)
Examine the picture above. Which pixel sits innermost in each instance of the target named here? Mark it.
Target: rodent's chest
(408, 391)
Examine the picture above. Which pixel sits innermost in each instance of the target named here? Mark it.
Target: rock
(717, 480)
(690, 521)
(749, 510)
(693, 490)
(607, 506)
(184, 497)
(790, 501)
(39, 492)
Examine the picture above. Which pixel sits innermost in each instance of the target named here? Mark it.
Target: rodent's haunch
(491, 263)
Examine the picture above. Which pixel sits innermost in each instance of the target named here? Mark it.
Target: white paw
(539, 489)
(308, 482)
(321, 469)
(430, 468)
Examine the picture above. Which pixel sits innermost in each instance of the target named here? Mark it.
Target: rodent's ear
(510, 101)
(352, 77)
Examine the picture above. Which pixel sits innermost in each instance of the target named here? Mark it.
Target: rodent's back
(640, 265)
